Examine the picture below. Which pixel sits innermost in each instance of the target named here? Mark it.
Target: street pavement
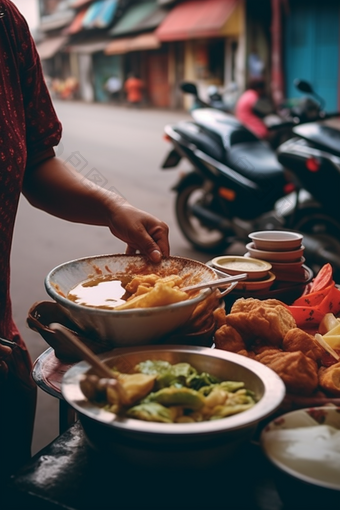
(123, 148)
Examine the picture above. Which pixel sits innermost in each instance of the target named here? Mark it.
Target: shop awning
(118, 47)
(197, 18)
(49, 47)
(100, 14)
(138, 43)
(145, 42)
(89, 47)
(135, 16)
(77, 23)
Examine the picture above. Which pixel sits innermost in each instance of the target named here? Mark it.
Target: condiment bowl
(175, 444)
(124, 328)
(256, 269)
(276, 240)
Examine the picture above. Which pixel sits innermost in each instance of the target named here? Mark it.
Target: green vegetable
(190, 399)
(151, 411)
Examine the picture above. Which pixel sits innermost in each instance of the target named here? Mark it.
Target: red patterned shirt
(29, 129)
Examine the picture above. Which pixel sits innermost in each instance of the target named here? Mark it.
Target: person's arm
(60, 191)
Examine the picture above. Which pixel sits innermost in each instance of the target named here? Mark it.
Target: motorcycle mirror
(189, 88)
(303, 86)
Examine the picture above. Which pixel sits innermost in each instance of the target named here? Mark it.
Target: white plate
(276, 240)
(305, 454)
(275, 256)
(255, 268)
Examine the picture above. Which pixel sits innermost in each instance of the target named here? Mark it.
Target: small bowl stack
(283, 250)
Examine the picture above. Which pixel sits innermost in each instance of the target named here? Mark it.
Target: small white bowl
(299, 443)
(276, 240)
(255, 269)
(275, 256)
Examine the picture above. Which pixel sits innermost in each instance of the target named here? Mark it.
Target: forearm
(61, 191)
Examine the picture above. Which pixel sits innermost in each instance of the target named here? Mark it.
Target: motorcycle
(239, 184)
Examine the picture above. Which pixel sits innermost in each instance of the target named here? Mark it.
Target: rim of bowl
(290, 471)
(265, 235)
(251, 247)
(64, 301)
(274, 393)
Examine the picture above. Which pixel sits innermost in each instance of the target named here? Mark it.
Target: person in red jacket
(134, 87)
(29, 131)
(252, 105)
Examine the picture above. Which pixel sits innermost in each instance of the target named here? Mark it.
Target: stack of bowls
(283, 250)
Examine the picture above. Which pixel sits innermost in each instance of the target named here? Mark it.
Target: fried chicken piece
(248, 304)
(329, 379)
(268, 322)
(264, 350)
(228, 339)
(298, 372)
(298, 340)
(219, 316)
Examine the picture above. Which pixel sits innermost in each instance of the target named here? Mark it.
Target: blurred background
(89, 49)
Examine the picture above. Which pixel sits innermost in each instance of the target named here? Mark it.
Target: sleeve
(43, 128)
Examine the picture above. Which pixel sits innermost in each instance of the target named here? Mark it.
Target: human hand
(141, 231)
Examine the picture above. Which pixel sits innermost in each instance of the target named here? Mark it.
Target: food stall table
(70, 474)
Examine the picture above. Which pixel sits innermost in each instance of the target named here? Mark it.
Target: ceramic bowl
(276, 240)
(275, 256)
(176, 444)
(303, 446)
(256, 269)
(124, 328)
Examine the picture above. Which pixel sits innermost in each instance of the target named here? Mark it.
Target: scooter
(238, 185)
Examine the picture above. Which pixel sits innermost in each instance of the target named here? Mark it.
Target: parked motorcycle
(238, 184)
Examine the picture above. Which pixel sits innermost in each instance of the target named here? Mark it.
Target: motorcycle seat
(256, 161)
(209, 143)
(323, 137)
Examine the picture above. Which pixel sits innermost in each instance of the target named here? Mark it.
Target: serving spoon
(100, 368)
(221, 282)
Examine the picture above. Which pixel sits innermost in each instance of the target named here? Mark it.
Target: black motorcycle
(238, 185)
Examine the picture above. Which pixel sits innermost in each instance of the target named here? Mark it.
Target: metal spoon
(222, 282)
(100, 368)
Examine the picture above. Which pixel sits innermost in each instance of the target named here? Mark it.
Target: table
(69, 474)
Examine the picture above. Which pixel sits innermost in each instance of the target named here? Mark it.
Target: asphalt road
(124, 148)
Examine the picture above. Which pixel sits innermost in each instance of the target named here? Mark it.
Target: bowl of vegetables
(185, 404)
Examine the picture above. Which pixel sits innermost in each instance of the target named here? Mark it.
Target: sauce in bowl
(105, 292)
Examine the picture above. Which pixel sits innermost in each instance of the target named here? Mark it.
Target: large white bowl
(124, 328)
(176, 444)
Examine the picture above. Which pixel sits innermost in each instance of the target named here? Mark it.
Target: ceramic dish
(138, 326)
(305, 445)
(276, 240)
(275, 256)
(175, 444)
(256, 269)
(250, 285)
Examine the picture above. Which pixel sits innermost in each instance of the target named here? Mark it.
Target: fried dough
(298, 372)
(329, 379)
(228, 339)
(298, 340)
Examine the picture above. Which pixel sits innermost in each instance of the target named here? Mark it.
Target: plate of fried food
(290, 339)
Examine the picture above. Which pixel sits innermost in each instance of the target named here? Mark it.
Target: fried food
(269, 322)
(228, 339)
(298, 372)
(160, 295)
(298, 340)
(220, 317)
(329, 379)
(248, 304)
